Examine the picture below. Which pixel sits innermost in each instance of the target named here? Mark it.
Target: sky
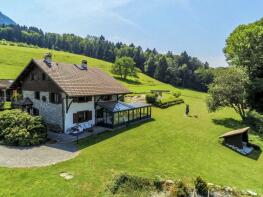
(199, 27)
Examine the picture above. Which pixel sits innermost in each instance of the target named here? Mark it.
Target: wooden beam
(68, 104)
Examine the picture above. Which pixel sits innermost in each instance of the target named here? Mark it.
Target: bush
(201, 186)
(151, 98)
(177, 94)
(166, 104)
(180, 190)
(18, 128)
(255, 120)
(125, 184)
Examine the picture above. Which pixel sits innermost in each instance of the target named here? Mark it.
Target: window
(32, 76)
(82, 99)
(44, 98)
(37, 95)
(35, 112)
(44, 76)
(106, 98)
(54, 98)
(82, 116)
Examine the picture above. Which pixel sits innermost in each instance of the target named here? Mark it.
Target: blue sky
(198, 26)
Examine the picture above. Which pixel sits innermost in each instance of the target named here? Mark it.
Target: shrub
(151, 98)
(18, 128)
(166, 104)
(126, 183)
(180, 190)
(255, 120)
(201, 186)
(177, 94)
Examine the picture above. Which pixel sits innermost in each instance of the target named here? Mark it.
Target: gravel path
(43, 155)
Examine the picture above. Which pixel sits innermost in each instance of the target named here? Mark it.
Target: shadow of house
(92, 140)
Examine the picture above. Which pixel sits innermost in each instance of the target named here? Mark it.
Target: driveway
(43, 155)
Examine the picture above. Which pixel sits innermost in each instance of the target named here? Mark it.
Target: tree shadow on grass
(92, 140)
(230, 123)
(234, 124)
(129, 81)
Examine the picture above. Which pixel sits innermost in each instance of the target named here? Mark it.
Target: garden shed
(238, 140)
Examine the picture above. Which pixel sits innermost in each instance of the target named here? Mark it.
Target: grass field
(171, 145)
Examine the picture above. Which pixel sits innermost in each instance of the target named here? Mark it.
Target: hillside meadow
(170, 146)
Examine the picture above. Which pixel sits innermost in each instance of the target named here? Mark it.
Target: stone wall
(51, 113)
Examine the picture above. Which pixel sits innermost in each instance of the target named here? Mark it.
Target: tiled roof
(235, 132)
(75, 81)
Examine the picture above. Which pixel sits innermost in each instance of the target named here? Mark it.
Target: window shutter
(75, 118)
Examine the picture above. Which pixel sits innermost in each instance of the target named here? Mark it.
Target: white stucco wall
(76, 107)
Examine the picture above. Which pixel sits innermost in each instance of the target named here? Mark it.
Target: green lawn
(171, 146)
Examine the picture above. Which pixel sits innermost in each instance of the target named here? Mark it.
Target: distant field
(171, 146)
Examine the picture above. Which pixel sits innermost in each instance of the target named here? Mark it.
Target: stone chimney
(84, 65)
(48, 58)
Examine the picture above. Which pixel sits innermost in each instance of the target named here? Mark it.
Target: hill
(170, 146)
(5, 20)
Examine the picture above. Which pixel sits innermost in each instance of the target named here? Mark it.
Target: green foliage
(18, 128)
(201, 186)
(177, 94)
(126, 184)
(255, 120)
(180, 70)
(151, 98)
(124, 67)
(229, 89)
(244, 48)
(180, 190)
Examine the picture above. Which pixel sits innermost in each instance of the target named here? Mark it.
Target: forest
(179, 70)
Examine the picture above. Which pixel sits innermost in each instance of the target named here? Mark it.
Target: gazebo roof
(235, 132)
(24, 102)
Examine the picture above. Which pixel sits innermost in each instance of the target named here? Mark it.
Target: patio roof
(117, 106)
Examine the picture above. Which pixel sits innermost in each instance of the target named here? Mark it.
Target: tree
(229, 89)
(161, 69)
(244, 48)
(124, 66)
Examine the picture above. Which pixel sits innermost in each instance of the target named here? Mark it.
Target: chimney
(84, 65)
(48, 58)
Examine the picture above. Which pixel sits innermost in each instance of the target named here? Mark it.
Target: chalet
(66, 95)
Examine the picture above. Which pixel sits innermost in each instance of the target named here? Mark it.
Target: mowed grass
(170, 146)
